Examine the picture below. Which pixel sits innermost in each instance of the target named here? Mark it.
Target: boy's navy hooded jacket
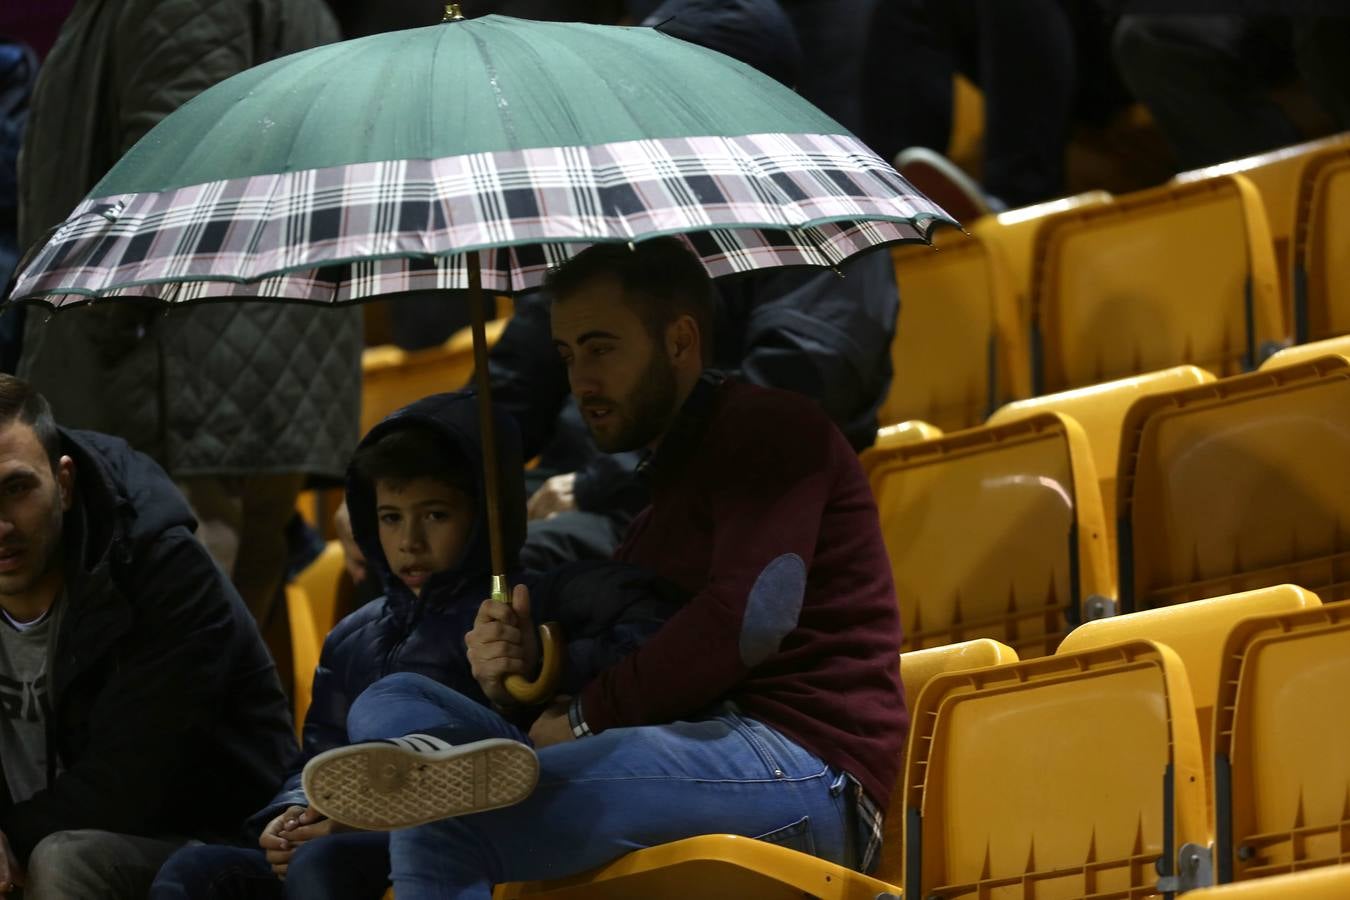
(404, 633)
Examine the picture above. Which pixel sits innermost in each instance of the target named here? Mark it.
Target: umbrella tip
(452, 13)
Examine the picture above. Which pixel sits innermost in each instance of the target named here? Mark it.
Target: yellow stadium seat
(958, 351)
(1328, 883)
(1277, 176)
(1322, 249)
(1173, 275)
(719, 866)
(993, 532)
(1282, 745)
(392, 378)
(1065, 777)
(965, 145)
(917, 669)
(1237, 485)
(1196, 631)
(305, 646)
(896, 436)
(1301, 353)
(1100, 409)
(311, 602)
(320, 581)
(1012, 234)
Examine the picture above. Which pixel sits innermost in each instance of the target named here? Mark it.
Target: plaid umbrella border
(351, 232)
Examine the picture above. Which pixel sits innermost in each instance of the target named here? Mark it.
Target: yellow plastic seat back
(1238, 485)
(1277, 176)
(1100, 409)
(917, 669)
(1012, 234)
(1183, 274)
(311, 602)
(992, 532)
(1282, 745)
(1322, 250)
(957, 352)
(1196, 631)
(897, 435)
(1302, 353)
(1065, 777)
(305, 646)
(320, 581)
(391, 378)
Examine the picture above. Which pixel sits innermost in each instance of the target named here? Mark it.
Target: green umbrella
(470, 155)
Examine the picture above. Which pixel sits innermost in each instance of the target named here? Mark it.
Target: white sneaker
(399, 783)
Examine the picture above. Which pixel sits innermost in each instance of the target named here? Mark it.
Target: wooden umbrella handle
(542, 689)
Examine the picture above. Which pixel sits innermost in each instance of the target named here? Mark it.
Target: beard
(642, 416)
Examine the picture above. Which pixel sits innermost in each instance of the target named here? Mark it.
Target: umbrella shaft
(491, 476)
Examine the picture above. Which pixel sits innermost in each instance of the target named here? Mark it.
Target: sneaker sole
(381, 787)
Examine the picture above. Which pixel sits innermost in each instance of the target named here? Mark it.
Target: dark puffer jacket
(167, 716)
(608, 609)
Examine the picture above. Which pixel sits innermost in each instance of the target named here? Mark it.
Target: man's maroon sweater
(760, 510)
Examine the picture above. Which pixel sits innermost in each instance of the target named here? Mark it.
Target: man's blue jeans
(602, 796)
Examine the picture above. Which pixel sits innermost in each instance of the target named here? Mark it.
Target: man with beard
(767, 705)
(138, 706)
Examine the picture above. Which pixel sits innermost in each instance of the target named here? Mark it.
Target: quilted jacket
(215, 389)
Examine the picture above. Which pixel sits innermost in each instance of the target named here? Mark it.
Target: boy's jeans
(346, 866)
(602, 796)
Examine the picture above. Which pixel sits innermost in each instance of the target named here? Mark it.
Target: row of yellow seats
(1055, 780)
(391, 378)
(1216, 269)
(1086, 774)
(1124, 496)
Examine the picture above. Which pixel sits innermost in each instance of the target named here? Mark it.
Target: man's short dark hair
(20, 402)
(661, 280)
(415, 451)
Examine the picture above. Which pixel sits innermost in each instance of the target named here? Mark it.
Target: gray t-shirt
(25, 674)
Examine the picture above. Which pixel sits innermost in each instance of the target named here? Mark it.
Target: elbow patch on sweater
(773, 608)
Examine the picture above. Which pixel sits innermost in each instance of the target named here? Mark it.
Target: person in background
(18, 71)
(1206, 78)
(822, 333)
(243, 403)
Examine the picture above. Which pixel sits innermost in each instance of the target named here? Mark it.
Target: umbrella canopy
(473, 154)
(376, 166)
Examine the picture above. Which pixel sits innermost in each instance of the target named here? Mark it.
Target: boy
(417, 506)
(416, 501)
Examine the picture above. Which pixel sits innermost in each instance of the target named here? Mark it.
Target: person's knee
(312, 869)
(367, 718)
(191, 871)
(337, 865)
(68, 864)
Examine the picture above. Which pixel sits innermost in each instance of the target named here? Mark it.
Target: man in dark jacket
(768, 705)
(431, 450)
(140, 708)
